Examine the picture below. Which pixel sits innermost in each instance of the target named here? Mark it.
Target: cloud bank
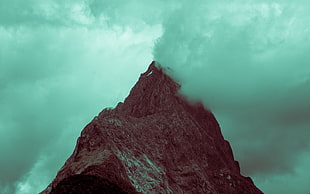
(248, 62)
(61, 62)
(59, 67)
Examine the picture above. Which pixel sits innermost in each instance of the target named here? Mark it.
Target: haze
(62, 62)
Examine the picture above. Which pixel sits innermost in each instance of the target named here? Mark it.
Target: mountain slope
(154, 142)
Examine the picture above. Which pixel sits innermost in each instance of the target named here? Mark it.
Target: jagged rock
(154, 142)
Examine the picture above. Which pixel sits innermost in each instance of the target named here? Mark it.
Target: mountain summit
(154, 142)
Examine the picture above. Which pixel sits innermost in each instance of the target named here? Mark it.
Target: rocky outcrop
(154, 142)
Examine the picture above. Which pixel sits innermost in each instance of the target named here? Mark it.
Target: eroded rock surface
(154, 142)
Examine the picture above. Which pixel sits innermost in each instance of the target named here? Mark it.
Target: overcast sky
(62, 62)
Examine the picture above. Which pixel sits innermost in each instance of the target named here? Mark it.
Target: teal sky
(62, 62)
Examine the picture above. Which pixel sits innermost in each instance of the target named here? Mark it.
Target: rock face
(154, 142)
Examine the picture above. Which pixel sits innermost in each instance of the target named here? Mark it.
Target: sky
(62, 62)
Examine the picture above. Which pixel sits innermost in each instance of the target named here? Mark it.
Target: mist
(61, 63)
(248, 62)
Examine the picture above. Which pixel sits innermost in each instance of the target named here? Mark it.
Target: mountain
(154, 142)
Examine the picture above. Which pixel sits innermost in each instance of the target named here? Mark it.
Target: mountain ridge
(153, 142)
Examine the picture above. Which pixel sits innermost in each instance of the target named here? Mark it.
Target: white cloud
(62, 62)
(54, 79)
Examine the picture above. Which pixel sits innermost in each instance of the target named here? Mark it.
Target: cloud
(133, 13)
(59, 67)
(295, 182)
(248, 62)
(62, 62)
(49, 12)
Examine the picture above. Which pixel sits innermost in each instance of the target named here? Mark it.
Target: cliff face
(154, 142)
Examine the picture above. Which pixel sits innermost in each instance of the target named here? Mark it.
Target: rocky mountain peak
(154, 92)
(153, 142)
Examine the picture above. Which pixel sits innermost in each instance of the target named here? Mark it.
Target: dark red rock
(154, 142)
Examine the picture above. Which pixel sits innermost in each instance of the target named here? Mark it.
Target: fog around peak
(61, 63)
(248, 63)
